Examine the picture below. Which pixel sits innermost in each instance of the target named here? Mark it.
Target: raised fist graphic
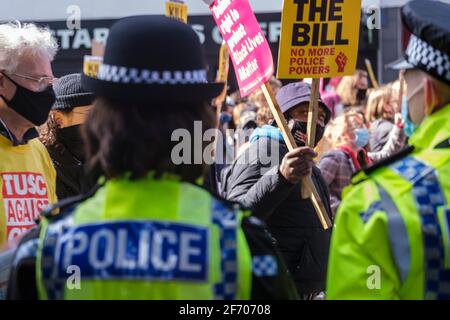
(341, 61)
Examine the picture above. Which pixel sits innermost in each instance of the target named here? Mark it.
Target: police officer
(391, 239)
(150, 232)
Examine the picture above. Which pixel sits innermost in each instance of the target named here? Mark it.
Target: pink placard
(249, 50)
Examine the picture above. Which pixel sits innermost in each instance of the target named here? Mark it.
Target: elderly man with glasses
(27, 177)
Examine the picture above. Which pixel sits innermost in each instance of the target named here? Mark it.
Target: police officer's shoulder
(231, 205)
(366, 172)
(63, 207)
(248, 220)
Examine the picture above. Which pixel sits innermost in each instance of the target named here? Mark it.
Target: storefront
(97, 16)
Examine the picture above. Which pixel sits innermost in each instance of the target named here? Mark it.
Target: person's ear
(2, 85)
(59, 119)
(431, 98)
(7, 89)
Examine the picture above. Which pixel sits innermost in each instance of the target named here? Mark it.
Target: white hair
(17, 40)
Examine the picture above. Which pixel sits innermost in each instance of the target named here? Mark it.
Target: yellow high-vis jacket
(391, 235)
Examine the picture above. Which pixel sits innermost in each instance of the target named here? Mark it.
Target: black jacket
(278, 285)
(71, 179)
(254, 181)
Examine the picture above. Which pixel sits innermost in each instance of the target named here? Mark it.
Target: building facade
(76, 23)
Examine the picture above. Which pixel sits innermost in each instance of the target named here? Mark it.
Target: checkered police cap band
(120, 74)
(433, 61)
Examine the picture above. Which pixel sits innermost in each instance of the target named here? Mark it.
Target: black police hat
(429, 46)
(153, 58)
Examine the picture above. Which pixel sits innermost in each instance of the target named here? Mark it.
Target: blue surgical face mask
(361, 137)
(225, 118)
(410, 127)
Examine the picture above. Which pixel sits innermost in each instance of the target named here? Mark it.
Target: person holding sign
(267, 178)
(353, 90)
(391, 239)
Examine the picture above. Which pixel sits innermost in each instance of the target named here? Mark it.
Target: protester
(224, 152)
(26, 171)
(396, 141)
(264, 116)
(380, 112)
(348, 136)
(329, 85)
(391, 220)
(246, 127)
(267, 179)
(353, 89)
(396, 87)
(327, 89)
(62, 136)
(275, 84)
(165, 237)
(334, 102)
(258, 99)
(237, 114)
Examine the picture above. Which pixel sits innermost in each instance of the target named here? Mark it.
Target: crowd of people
(88, 177)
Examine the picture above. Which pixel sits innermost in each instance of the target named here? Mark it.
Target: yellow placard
(177, 10)
(91, 66)
(319, 38)
(222, 73)
(224, 64)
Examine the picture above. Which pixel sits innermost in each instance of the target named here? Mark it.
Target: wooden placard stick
(401, 90)
(313, 112)
(290, 142)
(371, 74)
(312, 123)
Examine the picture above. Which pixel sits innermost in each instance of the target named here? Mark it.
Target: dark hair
(47, 132)
(135, 138)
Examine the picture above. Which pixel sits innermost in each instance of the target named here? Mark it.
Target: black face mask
(361, 95)
(70, 138)
(299, 131)
(33, 106)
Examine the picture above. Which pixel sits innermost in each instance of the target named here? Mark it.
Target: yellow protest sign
(319, 38)
(222, 73)
(177, 10)
(91, 65)
(224, 65)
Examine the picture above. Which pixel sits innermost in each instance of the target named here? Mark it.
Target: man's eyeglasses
(42, 82)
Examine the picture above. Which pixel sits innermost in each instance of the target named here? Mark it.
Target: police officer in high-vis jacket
(149, 232)
(391, 239)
